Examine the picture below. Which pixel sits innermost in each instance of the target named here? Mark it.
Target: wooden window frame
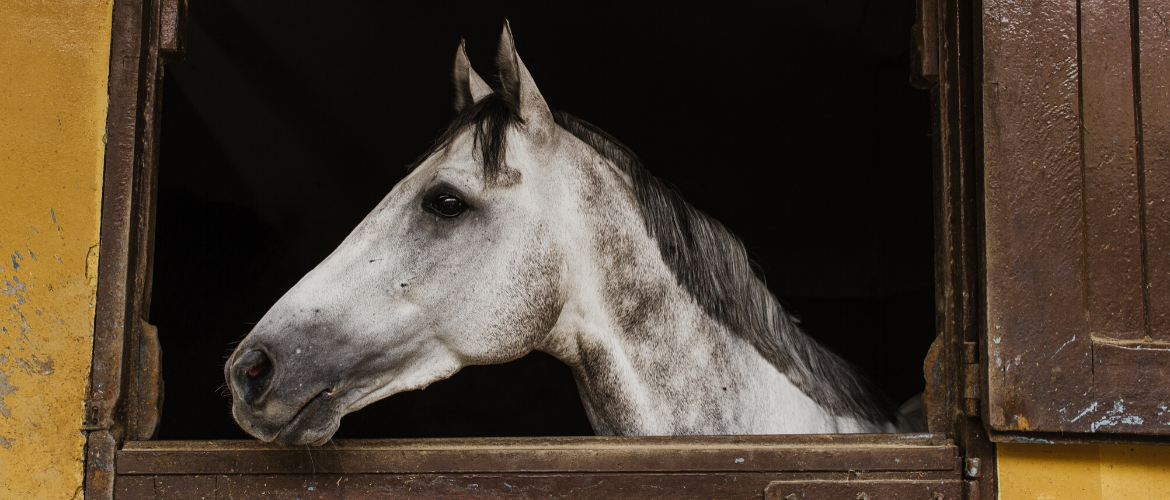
(955, 458)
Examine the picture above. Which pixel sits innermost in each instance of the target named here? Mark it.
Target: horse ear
(469, 87)
(520, 89)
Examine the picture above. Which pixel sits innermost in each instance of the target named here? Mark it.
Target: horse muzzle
(271, 407)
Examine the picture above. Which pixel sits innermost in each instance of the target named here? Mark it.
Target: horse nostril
(259, 368)
(252, 374)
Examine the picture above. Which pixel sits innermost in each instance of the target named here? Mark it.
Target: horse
(524, 228)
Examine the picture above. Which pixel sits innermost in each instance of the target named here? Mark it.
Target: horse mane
(707, 259)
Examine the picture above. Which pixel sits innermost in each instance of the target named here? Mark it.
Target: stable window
(136, 452)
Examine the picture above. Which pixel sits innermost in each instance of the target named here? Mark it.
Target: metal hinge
(972, 471)
(969, 369)
(970, 373)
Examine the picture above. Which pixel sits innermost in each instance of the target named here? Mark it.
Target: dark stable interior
(792, 122)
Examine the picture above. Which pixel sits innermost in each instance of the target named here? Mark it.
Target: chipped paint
(1029, 440)
(54, 61)
(1090, 409)
(1074, 337)
(1116, 416)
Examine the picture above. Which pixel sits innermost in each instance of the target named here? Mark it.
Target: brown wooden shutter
(1076, 104)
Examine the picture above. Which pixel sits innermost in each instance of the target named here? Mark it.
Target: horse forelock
(707, 259)
(489, 120)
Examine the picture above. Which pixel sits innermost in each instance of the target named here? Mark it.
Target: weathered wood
(185, 487)
(126, 385)
(884, 490)
(116, 264)
(924, 60)
(566, 442)
(1033, 206)
(133, 487)
(656, 454)
(1154, 57)
(958, 244)
(563, 485)
(1071, 229)
(1112, 213)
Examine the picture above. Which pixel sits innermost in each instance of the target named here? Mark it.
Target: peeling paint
(56, 62)
(35, 365)
(1116, 416)
(1022, 439)
(1090, 409)
(6, 388)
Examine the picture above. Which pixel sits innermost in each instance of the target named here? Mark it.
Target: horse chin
(307, 436)
(314, 424)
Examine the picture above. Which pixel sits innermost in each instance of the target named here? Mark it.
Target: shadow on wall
(792, 123)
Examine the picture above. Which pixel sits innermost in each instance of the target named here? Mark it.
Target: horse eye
(448, 205)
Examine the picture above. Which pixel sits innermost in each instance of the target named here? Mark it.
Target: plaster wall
(54, 65)
(1089, 472)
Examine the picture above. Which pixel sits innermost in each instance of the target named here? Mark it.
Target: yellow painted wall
(1091, 472)
(54, 64)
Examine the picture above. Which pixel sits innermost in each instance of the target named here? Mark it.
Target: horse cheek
(533, 304)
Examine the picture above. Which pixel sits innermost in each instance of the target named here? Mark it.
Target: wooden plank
(534, 486)
(662, 454)
(1139, 392)
(884, 490)
(1034, 231)
(568, 486)
(185, 487)
(452, 461)
(575, 442)
(1112, 213)
(133, 487)
(1154, 56)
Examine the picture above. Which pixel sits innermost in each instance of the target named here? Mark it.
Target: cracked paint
(55, 64)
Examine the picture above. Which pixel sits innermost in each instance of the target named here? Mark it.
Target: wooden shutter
(1076, 125)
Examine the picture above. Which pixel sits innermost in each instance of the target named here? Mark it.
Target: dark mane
(708, 261)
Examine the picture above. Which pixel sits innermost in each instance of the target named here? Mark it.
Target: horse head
(461, 264)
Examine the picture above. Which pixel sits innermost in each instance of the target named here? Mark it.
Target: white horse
(527, 229)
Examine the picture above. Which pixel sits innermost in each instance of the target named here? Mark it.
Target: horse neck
(646, 357)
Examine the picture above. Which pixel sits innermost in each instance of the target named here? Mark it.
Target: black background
(792, 122)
